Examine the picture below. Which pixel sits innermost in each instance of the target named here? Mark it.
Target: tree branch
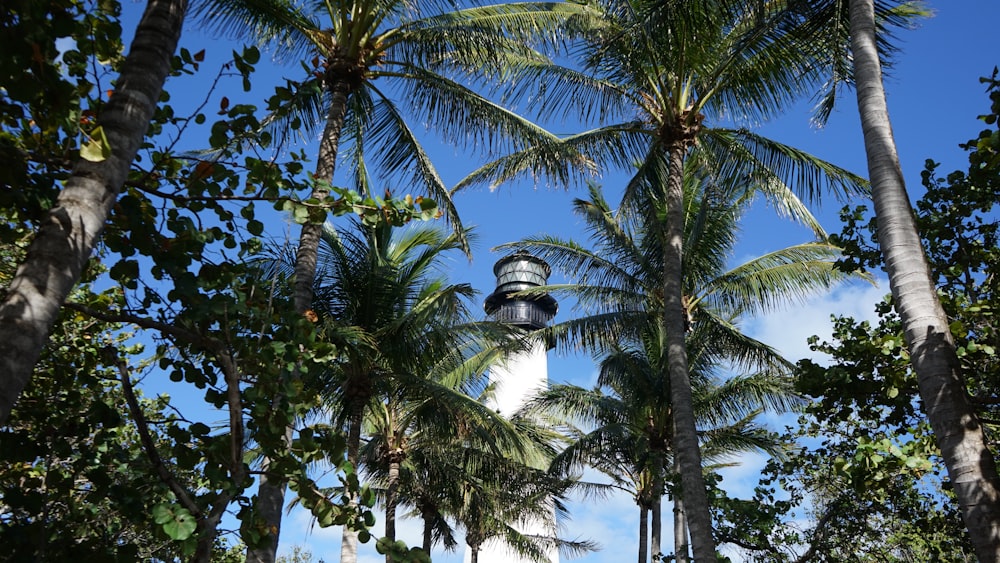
(147, 441)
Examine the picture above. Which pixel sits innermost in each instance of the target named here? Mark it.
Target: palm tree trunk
(391, 500)
(674, 324)
(271, 494)
(349, 537)
(656, 522)
(959, 434)
(428, 538)
(270, 502)
(680, 527)
(68, 233)
(326, 163)
(655, 527)
(643, 532)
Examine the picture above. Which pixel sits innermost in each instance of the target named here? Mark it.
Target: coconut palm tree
(430, 407)
(499, 494)
(957, 429)
(618, 285)
(628, 420)
(676, 74)
(381, 301)
(853, 38)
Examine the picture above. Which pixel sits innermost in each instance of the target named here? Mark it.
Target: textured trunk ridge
(685, 433)
(959, 434)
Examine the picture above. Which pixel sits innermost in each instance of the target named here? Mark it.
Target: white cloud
(789, 330)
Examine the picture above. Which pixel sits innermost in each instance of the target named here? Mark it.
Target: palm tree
(410, 359)
(957, 428)
(379, 301)
(630, 439)
(619, 287)
(362, 54)
(668, 69)
(429, 407)
(69, 232)
(500, 493)
(862, 29)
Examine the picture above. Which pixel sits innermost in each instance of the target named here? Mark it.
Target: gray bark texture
(685, 433)
(680, 526)
(68, 233)
(392, 499)
(957, 429)
(643, 532)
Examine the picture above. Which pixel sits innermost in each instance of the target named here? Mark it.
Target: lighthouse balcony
(525, 314)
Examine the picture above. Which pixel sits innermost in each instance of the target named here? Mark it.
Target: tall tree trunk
(391, 500)
(271, 492)
(270, 504)
(349, 537)
(674, 323)
(643, 532)
(656, 527)
(957, 429)
(680, 527)
(68, 233)
(656, 522)
(428, 538)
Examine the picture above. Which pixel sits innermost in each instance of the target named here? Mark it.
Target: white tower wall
(516, 381)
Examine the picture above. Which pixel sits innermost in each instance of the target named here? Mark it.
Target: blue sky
(934, 97)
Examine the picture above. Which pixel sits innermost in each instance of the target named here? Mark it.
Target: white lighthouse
(522, 374)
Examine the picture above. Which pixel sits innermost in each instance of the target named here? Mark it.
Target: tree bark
(271, 493)
(428, 538)
(656, 510)
(643, 532)
(957, 429)
(680, 526)
(349, 538)
(655, 526)
(391, 500)
(67, 235)
(674, 323)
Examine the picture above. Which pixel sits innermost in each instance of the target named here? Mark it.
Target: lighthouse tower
(523, 374)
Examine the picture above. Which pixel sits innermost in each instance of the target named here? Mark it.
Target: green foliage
(174, 264)
(176, 521)
(400, 553)
(48, 98)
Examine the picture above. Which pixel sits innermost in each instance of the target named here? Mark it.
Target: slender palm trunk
(391, 500)
(656, 522)
(68, 233)
(680, 527)
(655, 526)
(271, 492)
(643, 532)
(957, 429)
(674, 317)
(349, 538)
(428, 538)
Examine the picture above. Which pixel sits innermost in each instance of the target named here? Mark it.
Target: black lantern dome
(514, 273)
